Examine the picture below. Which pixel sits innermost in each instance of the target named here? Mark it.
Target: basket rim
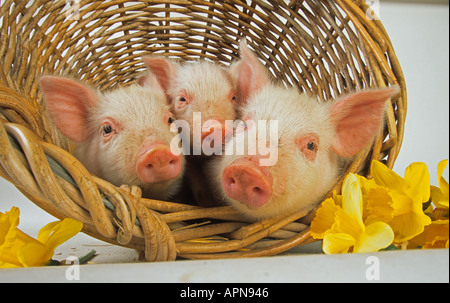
(58, 183)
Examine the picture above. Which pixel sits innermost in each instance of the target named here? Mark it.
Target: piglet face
(202, 94)
(203, 87)
(304, 168)
(122, 136)
(135, 135)
(313, 139)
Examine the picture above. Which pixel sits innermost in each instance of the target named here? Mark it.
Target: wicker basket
(327, 47)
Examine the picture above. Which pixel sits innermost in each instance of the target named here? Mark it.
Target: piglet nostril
(257, 190)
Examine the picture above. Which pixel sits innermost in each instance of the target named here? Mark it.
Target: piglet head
(202, 94)
(314, 140)
(122, 136)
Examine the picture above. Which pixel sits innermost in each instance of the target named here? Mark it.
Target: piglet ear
(150, 81)
(68, 103)
(233, 71)
(252, 74)
(164, 71)
(358, 117)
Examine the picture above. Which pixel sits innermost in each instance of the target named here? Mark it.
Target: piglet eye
(110, 128)
(312, 146)
(169, 118)
(107, 129)
(232, 97)
(309, 145)
(182, 101)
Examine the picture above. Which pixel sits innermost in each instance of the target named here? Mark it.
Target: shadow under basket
(325, 47)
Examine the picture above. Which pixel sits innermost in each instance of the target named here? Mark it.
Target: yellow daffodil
(377, 202)
(370, 213)
(407, 197)
(436, 235)
(18, 249)
(342, 227)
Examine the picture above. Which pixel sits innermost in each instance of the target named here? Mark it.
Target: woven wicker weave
(327, 47)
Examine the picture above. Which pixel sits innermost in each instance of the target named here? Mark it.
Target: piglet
(308, 142)
(202, 97)
(122, 136)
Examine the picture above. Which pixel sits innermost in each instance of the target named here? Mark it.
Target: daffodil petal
(417, 179)
(383, 176)
(435, 235)
(378, 205)
(16, 239)
(367, 185)
(443, 184)
(352, 198)
(56, 234)
(8, 221)
(337, 199)
(346, 225)
(324, 218)
(439, 231)
(438, 197)
(46, 231)
(32, 254)
(12, 216)
(337, 243)
(407, 226)
(377, 236)
(8, 265)
(11, 238)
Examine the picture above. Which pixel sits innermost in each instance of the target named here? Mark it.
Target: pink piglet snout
(247, 182)
(157, 163)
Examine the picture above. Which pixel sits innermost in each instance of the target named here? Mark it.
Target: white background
(420, 36)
